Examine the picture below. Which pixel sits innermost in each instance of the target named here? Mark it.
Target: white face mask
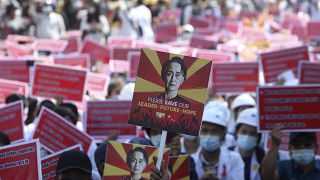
(303, 156)
(47, 9)
(210, 143)
(246, 142)
(156, 139)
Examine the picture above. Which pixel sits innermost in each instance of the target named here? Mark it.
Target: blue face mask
(210, 143)
(156, 139)
(303, 156)
(246, 142)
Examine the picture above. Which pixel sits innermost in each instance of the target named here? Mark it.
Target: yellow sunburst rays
(180, 160)
(150, 160)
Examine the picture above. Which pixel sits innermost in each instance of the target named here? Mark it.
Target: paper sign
(11, 121)
(20, 38)
(199, 23)
(235, 77)
(118, 66)
(215, 56)
(170, 16)
(74, 44)
(133, 59)
(313, 29)
(296, 107)
(276, 62)
(49, 163)
(153, 46)
(50, 45)
(309, 73)
(53, 81)
(8, 87)
(120, 41)
(80, 60)
(55, 133)
(20, 161)
(98, 84)
(15, 70)
(96, 51)
(174, 102)
(121, 53)
(166, 32)
(16, 50)
(203, 42)
(109, 117)
(179, 167)
(122, 160)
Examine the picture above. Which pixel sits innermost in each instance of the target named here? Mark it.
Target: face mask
(303, 156)
(246, 142)
(156, 140)
(47, 9)
(209, 143)
(188, 137)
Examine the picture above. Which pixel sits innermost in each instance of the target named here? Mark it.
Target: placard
(309, 73)
(204, 42)
(166, 32)
(20, 161)
(79, 60)
(121, 53)
(276, 62)
(96, 51)
(174, 102)
(98, 84)
(55, 133)
(17, 70)
(179, 167)
(16, 50)
(118, 66)
(313, 29)
(49, 163)
(296, 107)
(53, 81)
(120, 41)
(54, 46)
(215, 56)
(20, 38)
(8, 87)
(11, 121)
(235, 77)
(123, 159)
(109, 117)
(133, 59)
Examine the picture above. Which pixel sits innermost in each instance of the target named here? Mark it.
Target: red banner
(296, 107)
(313, 29)
(166, 32)
(49, 163)
(16, 70)
(235, 77)
(98, 84)
(179, 166)
(215, 56)
(53, 81)
(11, 121)
(276, 62)
(309, 73)
(8, 87)
(55, 133)
(82, 60)
(54, 46)
(109, 117)
(20, 161)
(96, 51)
(133, 59)
(121, 53)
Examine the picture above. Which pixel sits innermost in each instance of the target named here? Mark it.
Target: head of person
(173, 73)
(137, 161)
(14, 98)
(115, 87)
(45, 103)
(4, 139)
(67, 114)
(47, 7)
(241, 102)
(100, 156)
(72, 107)
(246, 129)
(303, 147)
(213, 129)
(74, 164)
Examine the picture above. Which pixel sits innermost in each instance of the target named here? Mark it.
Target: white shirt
(230, 165)
(255, 166)
(49, 26)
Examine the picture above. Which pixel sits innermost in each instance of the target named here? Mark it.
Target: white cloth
(230, 165)
(49, 26)
(255, 166)
(141, 16)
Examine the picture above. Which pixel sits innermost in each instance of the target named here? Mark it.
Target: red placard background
(50, 45)
(82, 60)
(16, 70)
(133, 59)
(309, 73)
(180, 167)
(96, 51)
(118, 66)
(55, 133)
(215, 56)
(98, 84)
(8, 87)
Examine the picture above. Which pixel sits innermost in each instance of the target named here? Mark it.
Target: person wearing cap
(247, 143)
(214, 161)
(74, 164)
(302, 165)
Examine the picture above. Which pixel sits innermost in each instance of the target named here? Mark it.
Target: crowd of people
(229, 145)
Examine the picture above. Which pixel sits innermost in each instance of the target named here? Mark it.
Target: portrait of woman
(137, 161)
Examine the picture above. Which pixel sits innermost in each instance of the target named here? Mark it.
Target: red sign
(98, 84)
(8, 87)
(166, 32)
(109, 117)
(199, 23)
(15, 49)
(55, 133)
(96, 51)
(203, 42)
(170, 96)
(153, 46)
(313, 29)
(50, 45)
(20, 161)
(11, 121)
(16, 70)
(296, 107)
(120, 41)
(20, 38)
(82, 60)
(120, 159)
(133, 59)
(309, 73)
(121, 53)
(53, 81)
(276, 62)
(118, 66)
(49, 163)
(215, 56)
(179, 166)
(74, 44)
(235, 77)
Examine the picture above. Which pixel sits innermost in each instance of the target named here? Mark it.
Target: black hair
(137, 149)
(46, 103)
(173, 60)
(4, 139)
(238, 127)
(14, 98)
(63, 111)
(72, 107)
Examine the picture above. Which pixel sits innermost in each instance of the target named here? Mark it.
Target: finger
(156, 170)
(155, 159)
